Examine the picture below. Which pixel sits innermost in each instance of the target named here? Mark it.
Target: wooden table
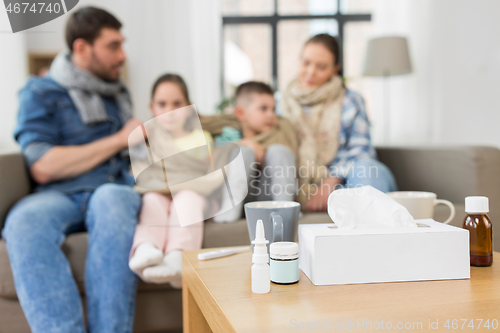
(217, 297)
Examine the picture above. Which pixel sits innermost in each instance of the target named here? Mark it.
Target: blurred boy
(267, 144)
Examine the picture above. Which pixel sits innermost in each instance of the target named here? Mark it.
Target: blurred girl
(159, 240)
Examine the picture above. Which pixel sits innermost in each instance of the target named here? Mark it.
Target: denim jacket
(47, 117)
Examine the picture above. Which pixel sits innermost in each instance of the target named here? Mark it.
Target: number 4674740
(36, 8)
(472, 323)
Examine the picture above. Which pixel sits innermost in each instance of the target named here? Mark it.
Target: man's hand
(123, 134)
(256, 147)
(318, 201)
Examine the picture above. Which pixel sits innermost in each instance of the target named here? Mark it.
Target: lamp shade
(387, 56)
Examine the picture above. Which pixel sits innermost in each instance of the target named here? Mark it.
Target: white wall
(161, 36)
(453, 96)
(13, 64)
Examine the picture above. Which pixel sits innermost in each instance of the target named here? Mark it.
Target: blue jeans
(34, 232)
(370, 171)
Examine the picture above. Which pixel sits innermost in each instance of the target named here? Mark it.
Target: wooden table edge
(200, 311)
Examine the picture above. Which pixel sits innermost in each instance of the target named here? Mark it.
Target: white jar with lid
(284, 262)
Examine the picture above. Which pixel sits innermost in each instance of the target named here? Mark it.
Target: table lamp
(387, 56)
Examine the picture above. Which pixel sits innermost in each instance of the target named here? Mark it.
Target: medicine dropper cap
(260, 255)
(477, 205)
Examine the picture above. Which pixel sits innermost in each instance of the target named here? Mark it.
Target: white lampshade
(387, 56)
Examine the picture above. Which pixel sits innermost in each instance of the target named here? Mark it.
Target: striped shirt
(354, 137)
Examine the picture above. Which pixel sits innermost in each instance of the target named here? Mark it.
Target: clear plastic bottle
(480, 231)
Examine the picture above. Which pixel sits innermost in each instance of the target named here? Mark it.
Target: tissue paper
(366, 207)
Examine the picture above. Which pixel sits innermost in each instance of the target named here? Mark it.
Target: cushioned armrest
(14, 182)
(451, 172)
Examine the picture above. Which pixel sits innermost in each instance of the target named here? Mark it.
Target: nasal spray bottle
(261, 278)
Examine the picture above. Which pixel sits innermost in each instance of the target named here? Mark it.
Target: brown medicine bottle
(480, 231)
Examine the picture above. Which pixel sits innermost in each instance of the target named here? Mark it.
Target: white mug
(421, 204)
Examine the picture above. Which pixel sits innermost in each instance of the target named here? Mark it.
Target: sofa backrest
(451, 172)
(14, 182)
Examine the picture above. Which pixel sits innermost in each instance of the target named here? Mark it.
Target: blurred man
(73, 128)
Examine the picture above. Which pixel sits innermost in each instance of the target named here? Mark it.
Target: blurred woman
(335, 149)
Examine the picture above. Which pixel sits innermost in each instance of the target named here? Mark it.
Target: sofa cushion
(7, 288)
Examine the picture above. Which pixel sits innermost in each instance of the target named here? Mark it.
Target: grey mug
(280, 218)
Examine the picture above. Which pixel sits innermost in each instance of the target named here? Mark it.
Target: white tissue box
(335, 256)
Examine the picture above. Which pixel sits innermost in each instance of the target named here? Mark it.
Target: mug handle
(450, 205)
(277, 227)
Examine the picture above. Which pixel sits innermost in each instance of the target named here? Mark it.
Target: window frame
(273, 21)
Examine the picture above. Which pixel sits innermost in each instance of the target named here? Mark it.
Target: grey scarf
(85, 90)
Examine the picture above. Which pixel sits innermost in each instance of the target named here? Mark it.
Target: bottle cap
(476, 205)
(260, 255)
(284, 250)
(260, 236)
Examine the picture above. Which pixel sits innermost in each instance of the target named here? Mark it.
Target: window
(263, 38)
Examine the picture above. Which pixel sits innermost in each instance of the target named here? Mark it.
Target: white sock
(169, 270)
(145, 255)
(174, 259)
